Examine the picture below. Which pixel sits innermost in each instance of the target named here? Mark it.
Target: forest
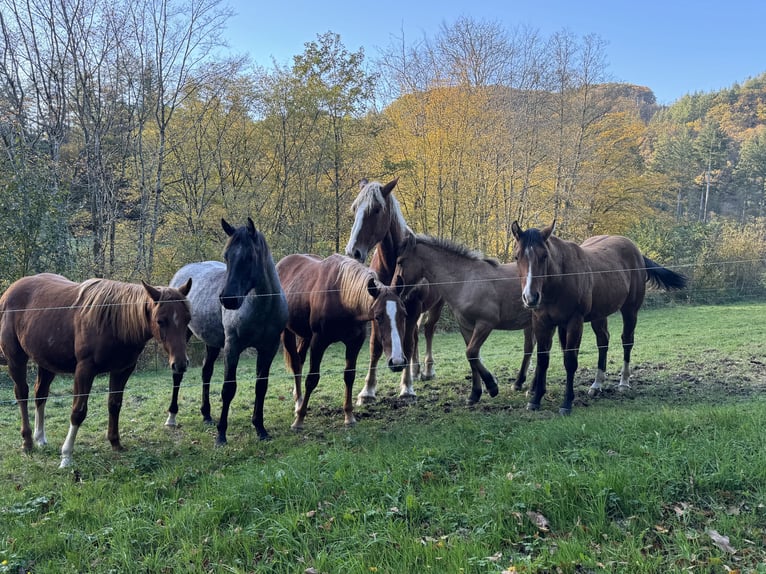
(127, 133)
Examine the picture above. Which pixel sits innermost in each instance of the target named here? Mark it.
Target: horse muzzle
(397, 365)
(531, 300)
(179, 367)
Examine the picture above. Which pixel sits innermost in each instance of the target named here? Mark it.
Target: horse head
(389, 315)
(532, 255)
(372, 211)
(242, 255)
(170, 317)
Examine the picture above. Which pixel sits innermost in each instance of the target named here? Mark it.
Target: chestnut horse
(566, 285)
(379, 223)
(483, 294)
(235, 305)
(332, 300)
(98, 326)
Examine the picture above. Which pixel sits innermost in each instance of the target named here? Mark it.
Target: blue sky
(670, 46)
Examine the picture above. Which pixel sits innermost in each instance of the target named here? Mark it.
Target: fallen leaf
(721, 541)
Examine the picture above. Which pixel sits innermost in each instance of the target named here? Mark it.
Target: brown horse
(332, 300)
(483, 294)
(98, 326)
(566, 284)
(379, 223)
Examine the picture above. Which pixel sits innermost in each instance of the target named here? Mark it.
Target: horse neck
(384, 259)
(439, 269)
(267, 280)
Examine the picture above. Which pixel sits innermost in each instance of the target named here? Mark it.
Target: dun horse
(235, 306)
(332, 300)
(378, 221)
(99, 326)
(483, 294)
(566, 284)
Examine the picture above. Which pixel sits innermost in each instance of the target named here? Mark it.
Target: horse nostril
(358, 255)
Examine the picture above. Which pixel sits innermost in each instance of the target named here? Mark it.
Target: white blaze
(358, 220)
(528, 284)
(397, 354)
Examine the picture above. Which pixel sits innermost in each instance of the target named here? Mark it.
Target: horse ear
(547, 231)
(153, 292)
(186, 287)
(250, 226)
(362, 182)
(516, 230)
(372, 288)
(407, 243)
(389, 187)
(227, 228)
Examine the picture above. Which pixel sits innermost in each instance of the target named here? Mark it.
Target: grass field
(669, 477)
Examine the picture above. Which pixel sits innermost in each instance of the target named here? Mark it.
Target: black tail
(663, 278)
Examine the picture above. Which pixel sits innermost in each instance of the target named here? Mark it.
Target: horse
(566, 285)
(483, 294)
(332, 300)
(98, 326)
(235, 305)
(379, 223)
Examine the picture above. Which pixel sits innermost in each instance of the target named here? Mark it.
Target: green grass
(647, 481)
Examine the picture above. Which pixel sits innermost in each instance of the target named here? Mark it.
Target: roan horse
(98, 326)
(483, 294)
(378, 221)
(566, 284)
(332, 300)
(236, 305)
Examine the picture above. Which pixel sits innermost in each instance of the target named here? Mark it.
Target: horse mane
(371, 195)
(455, 248)
(353, 278)
(121, 307)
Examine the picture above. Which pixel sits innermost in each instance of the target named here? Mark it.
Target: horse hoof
(208, 421)
(365, 400)
(594, 392)
(408, 397)
(472, 400)
(428, 377)
(492, 390)
(533, 407)
(624, 388)
(220, 441)
(66, 462)
(564, 411)
(264, 436)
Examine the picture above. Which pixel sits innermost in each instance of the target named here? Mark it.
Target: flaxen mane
(457, 249)
(371, 195)
(121, 307)
(353, 278)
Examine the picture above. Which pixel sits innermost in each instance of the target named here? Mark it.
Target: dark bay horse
(332, 300)
(98, 326)
(379, 223)
(483, 294)
(565, 285)
(236, 305)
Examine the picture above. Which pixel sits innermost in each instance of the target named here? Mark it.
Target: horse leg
(317, 349)
(117, 382)
(228, 390)
(544, 337)
(349, 374)
(42, 387)
(413, 307)
(294, 363)
(177, 378)
(263, 366)
(429, 328)
(367, 394)
(629, 320)
(570, 344)
(83, 381)
(17, 369)
(479, 372)
(600, 328)
(529, 347)
(211, 354)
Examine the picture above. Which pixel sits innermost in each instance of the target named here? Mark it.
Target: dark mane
(455, 248)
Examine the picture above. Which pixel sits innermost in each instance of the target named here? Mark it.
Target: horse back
(617, 273)
(207, 281)
(37, 321)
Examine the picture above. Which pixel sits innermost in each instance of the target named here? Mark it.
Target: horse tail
(3, 358)
(663, 278)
